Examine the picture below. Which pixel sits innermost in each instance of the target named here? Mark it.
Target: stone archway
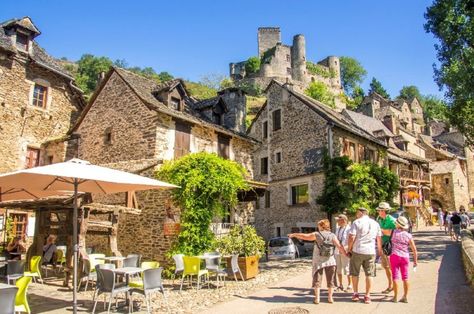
(436, 205)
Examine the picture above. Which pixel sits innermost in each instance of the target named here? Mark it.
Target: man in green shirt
(387, 224)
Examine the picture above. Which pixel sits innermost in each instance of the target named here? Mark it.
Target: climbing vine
(317, 69)
(209, 186)
(351, 185)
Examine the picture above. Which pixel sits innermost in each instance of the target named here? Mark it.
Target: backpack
(326, 249)
(387, 246)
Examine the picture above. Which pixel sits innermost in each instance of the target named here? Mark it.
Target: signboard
(171, 228)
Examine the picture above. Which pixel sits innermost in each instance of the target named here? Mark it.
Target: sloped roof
(406, 155)
(367, 123)
(428, 141)
(145, 89)
(24, 22)
(331, 115)
(38, 54)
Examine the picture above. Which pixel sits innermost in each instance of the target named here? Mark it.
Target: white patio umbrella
(15, 194)
(79, 176)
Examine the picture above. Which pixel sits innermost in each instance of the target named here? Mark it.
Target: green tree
(88, 71)
(376, 86)
(434, 108)
(452, 22)
(358, 96)
(352, 74)
(252, 65)
(408, 92)
(200, 91)
(208, 188)
(165, 76)
(320, 92)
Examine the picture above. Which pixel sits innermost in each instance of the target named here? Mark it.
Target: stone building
(295, 131)
(38, 104)
(132, 123)
(288, 63)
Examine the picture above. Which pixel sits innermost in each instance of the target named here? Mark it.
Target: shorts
(399, 265)
(457, 230)
(342, 264)
(330, 272)
(367, 261)
(450, 228)
(385, 261)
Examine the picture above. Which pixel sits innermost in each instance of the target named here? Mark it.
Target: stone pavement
(438, 286)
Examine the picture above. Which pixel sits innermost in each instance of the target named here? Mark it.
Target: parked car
(285, 247)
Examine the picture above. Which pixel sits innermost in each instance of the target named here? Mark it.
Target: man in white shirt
(342, 261)
(363, 235)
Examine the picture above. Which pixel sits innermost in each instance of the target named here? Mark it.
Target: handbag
(387, 246)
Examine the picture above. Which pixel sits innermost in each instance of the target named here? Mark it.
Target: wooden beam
(101, 224)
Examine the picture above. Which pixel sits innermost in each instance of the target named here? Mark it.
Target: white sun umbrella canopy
(78, 176)
(16, 194)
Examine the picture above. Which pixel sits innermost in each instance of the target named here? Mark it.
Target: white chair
(234, 262)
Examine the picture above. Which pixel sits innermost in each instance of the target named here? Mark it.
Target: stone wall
(467, 251)
(450, 188)
(23, 125)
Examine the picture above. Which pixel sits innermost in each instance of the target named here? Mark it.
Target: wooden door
(182, 139)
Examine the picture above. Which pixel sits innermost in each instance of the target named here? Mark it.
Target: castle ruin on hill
(288, 64)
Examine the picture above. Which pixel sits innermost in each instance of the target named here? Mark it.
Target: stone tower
(298, 58)
(268, 37)
(335, 67)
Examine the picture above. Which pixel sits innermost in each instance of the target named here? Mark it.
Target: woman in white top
(325, 243)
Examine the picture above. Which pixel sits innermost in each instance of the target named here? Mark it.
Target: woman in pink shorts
(400, 257)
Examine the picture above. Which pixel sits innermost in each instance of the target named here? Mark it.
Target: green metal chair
(35, 269)
(138, 282)
(192, 267)
(21, 302)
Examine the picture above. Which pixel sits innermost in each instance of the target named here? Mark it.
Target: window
(22, 41)
(40, 94)
(299, 194)
(217, 118)
(19, 222)
(446, 181)
(264, 165)
(50, 160)
(32, 157)
(175, 103)
(361, 153)
(257, 203)
(278, 157)
(182, 139)
(267, 199)
(223, 146)
(288, 59)
(276, 115)
(108, 136)
(265, 129)
(288, 71)
(278, 231)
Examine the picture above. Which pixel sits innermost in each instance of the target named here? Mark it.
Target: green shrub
(317, 69)
(252, 65)
(320, 92)
(241, 240)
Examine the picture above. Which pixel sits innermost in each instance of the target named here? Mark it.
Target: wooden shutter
(276, 120)
(32, 157)
(223, 146)
(182, 139)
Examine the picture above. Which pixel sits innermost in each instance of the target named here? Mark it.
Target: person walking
(449, 225)
(342, 261)
(387, 225)
(465, 220)
(363, 235)
(440, 218)
(325, 243)
(400, 257)
(456, 226)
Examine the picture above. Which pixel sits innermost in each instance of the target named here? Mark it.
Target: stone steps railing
(468, 254)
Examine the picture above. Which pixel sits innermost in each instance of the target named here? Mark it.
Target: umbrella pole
(75, 248)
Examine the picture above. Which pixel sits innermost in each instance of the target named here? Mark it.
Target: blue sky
(194, 38)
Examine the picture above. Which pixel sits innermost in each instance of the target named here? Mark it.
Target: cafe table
(127, 272)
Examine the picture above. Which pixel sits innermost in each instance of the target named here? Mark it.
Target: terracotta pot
(248, 266)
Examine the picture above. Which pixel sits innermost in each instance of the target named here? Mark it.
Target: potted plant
(244, 241)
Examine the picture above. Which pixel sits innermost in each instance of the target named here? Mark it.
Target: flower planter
(248, 266)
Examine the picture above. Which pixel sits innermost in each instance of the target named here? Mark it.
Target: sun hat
(342, 216)
(402, 222)
(383, 206)
(363, 209)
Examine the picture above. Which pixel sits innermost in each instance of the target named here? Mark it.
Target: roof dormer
(21, 32)
(173, 94)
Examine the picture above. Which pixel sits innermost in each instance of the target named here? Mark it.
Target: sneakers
(367, 300)
(387, 291)
(355, 297)
(404, 300)
(340, 288)
(348, 289)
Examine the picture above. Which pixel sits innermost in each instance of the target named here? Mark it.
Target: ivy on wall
(209, 186)
(349, 185)
(317, 69)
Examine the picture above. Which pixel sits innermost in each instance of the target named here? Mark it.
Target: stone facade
(287, 63)
(128, 122)
(293, 152)
(32, 134)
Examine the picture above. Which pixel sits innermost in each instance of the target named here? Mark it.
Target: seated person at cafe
(49, 250)
(15, 248)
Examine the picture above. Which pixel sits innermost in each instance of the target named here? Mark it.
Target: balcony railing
(414, 175)
(221, 228)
